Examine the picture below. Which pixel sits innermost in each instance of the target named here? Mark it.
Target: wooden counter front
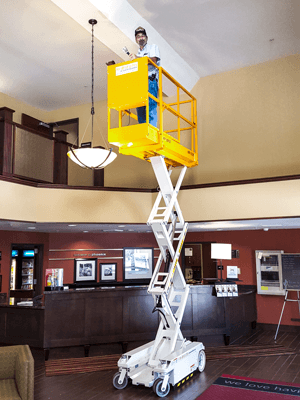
(90, 316)
(22, 325)
(122, 314)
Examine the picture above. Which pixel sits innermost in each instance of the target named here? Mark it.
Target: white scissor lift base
(169, 359)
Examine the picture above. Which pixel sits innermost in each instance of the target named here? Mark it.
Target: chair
(16, 373)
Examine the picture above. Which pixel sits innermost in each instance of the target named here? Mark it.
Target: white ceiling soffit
(215, 36)
(213, 226)
(45, 46)
(117, 21)
(45, 56)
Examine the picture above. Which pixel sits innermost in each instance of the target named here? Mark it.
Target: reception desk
(122, 314)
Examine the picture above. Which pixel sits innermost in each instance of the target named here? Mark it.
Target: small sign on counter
(232, 272)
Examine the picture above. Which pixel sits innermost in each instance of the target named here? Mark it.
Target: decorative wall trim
(85, 250)
(98, 258)
(241, 182)
(12, 179)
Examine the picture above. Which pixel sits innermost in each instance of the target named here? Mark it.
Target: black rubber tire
(201, 360)
(157, 388)
(116, 379)
(154, 385)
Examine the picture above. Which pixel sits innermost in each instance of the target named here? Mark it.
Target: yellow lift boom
(128, 89)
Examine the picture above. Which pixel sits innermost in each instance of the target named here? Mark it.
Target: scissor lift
(170, 359)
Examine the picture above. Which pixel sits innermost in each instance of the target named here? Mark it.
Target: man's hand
(154, 59)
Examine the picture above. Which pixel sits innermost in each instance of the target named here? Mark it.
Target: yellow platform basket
(128, 89)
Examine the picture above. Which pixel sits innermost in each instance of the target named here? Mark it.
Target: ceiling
(45, 57)
(256, 224)
(45, 46)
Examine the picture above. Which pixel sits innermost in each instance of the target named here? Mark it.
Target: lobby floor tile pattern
(98, 385)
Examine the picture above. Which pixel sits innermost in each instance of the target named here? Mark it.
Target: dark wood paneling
(139, 316)
(208, 312)
(64, 319)
(73, 318)
(6, 140)
(125, 314)
(99, 177)
(60, 165)
(34, 123)
(100, 320)
(22, 325)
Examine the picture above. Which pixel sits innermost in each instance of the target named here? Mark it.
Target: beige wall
(249, 123)
(261, 200)
(248, 127)
(21, 108)
(26, 203)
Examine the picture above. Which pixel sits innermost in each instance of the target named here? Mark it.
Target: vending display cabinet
(27, 274)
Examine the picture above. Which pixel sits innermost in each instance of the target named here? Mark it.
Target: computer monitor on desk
(220, 251)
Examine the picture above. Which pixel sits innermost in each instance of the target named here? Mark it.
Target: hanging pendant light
(88, 156)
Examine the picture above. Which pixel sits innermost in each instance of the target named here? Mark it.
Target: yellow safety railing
(127, 90)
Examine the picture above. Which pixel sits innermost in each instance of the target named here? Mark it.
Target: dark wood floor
(98, 385)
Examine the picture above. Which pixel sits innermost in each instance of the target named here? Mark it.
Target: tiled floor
(98, 385)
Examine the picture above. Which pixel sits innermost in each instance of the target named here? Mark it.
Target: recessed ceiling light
(31, 227)
(270, 225)
(121, 226)
(72, 225)
(85, 231)
(118, 230)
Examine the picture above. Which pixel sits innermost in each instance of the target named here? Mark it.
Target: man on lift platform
(170, 359)
(151, 51)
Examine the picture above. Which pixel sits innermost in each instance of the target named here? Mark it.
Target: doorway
(197, 262)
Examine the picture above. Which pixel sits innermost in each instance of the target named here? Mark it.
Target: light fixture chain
(92, 92)
(92, 158)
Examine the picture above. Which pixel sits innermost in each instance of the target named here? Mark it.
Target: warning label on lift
(126, 69)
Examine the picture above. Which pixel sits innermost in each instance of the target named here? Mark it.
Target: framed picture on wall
(85, 270)
(138, 264)
(108, 272)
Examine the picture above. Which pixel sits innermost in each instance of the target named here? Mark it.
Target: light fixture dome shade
(93, 158)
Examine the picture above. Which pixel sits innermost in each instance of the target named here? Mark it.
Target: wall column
(60, 164)
(6, 140)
